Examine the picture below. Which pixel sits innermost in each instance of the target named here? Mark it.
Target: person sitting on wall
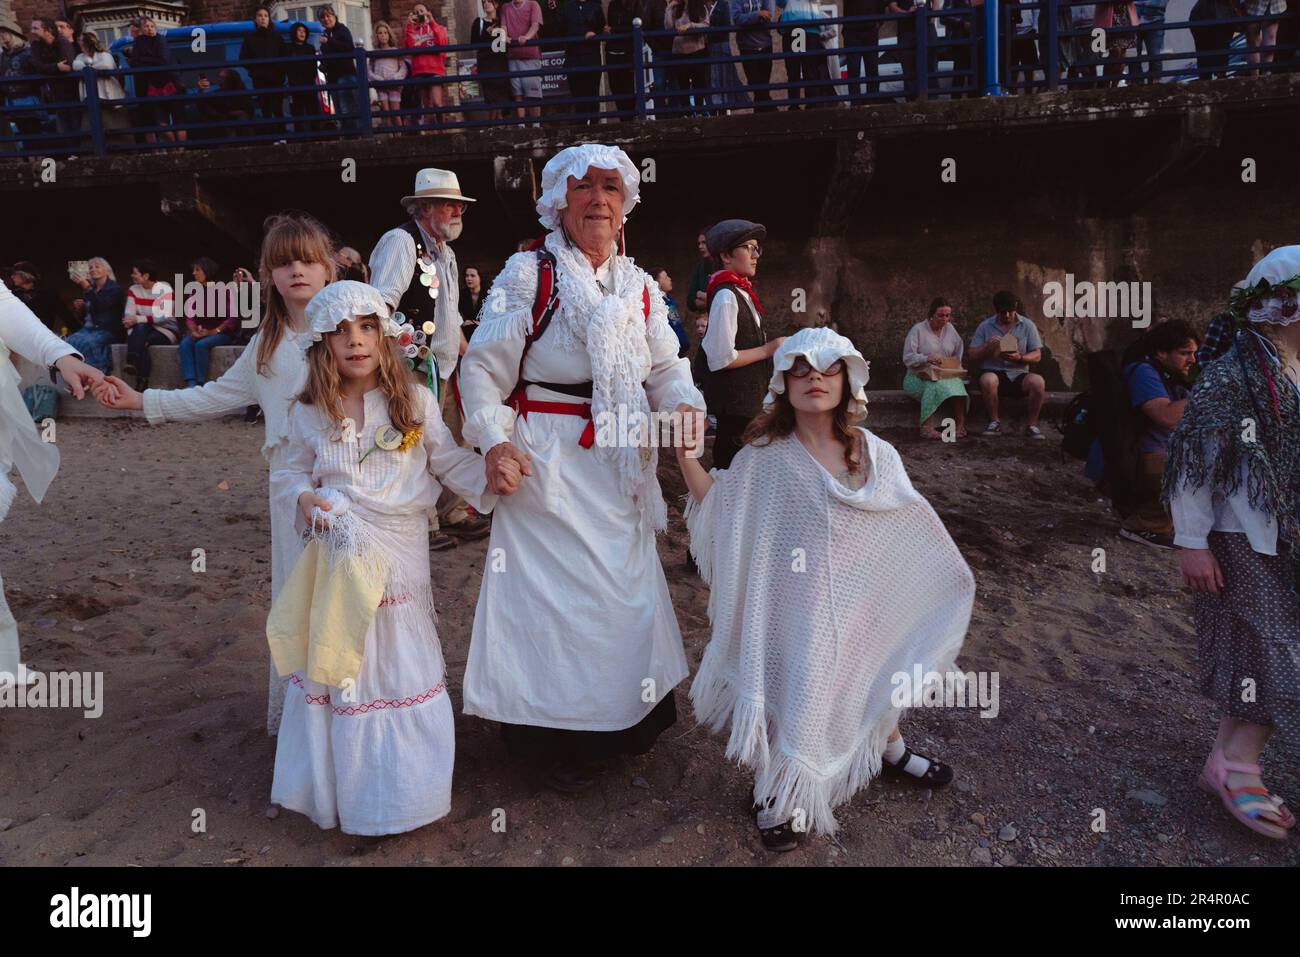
(1006, 370)
(928, 345)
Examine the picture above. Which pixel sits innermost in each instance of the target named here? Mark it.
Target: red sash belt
(523, 405)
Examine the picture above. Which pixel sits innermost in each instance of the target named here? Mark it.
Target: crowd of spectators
(307, 83)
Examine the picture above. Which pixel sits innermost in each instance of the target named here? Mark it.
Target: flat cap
(730, 233)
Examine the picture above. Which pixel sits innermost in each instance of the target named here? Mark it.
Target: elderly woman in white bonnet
(575, 648)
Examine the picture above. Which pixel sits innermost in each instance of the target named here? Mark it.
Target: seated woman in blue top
(101, 308)
(1156, 375)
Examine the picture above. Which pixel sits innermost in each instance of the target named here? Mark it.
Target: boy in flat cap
(736, 348)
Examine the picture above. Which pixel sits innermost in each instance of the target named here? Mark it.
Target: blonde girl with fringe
(367, 742)
(297, 262)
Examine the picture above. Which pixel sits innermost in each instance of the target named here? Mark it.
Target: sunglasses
(802, 367)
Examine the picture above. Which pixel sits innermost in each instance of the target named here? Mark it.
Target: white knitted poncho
(820, 596)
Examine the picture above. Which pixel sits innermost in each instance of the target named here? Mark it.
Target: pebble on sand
(981, 855)
(1147, 796)
(1008, 833)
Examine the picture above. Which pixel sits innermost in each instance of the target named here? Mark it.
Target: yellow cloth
(319, 621)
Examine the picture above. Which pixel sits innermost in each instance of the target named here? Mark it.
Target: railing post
(365, 119)
(638, 68)
(1051, 65)
(922, 51)
(992, 23)
(94, 117)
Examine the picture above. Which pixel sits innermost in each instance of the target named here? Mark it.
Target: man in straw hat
(414, 269)
(575, 649)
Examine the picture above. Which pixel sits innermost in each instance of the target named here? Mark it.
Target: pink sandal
(1246, 804)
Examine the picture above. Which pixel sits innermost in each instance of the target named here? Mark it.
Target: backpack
(1077, 428)
(1117, 426)
(545, 302)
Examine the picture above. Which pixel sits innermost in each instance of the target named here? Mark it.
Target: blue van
(221, 49)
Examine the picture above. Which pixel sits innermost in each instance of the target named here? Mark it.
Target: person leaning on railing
(151, 50)
(301, 72)
(265, 44)
(728, 93)
(687, 17)
(393, 68)
(1262, 34)
(811, 64)
(754, 38)
(338, 69)
(422, 30)
(93, 56)
(618, 53)
(495, 90)
(52, 58)
(586, 19)
(857, 36)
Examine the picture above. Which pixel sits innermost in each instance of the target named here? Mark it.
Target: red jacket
(431, 34)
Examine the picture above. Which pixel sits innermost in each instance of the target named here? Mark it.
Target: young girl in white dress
(369, 744)
(830, 578)
(297, 262)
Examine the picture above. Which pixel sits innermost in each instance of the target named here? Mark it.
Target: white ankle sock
(894, 749)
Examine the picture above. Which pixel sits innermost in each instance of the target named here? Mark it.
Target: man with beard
(402, 261)
(1156, 369)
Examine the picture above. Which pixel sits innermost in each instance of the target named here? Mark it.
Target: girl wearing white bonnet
(1233, 486)
(831, 576)
(575, 648)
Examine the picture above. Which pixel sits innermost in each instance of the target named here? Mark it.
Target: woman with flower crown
(1232, 482)
(367, 741)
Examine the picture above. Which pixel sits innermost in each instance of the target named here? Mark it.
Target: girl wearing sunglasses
(831, 576)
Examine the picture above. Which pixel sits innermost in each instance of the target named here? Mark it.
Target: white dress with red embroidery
(376, 758)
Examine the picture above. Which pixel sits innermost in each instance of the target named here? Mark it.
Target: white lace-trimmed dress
(241, 386)
(377, 760)
(576, 647)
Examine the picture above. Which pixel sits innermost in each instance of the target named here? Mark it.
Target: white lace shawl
(613, 331)
(819, 597)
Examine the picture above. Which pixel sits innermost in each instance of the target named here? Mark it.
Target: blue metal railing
(840, 61)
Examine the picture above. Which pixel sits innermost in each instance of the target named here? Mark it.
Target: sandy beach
(1098, 707)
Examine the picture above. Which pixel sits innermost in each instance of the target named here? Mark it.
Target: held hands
(78, 375)
(505, 466)
(309, 500)
(934, 359)
(113, 393)
(1201, 571)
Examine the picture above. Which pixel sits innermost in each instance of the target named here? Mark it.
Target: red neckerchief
(740, 282)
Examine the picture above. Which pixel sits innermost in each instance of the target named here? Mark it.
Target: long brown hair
(287, 237)
(776, 421)
(395, 382)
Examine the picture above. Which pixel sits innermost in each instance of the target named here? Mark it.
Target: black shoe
(936, 773)
(441, 543)
(1154, 539)
(252, 413)
(781, 838)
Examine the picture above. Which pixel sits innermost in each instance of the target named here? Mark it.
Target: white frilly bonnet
(342, 300)
(575, 161)
(821, 347)
(1282, 265)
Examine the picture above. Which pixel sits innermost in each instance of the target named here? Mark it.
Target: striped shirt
(154, 306)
